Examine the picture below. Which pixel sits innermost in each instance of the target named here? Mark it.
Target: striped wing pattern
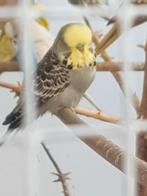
(51, 78)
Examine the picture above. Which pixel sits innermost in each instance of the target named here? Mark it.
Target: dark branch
(103, 147)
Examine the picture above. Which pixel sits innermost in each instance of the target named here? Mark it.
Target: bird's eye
(92, 47)
(80, 47)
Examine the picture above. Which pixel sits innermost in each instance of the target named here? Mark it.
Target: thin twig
(118, 66)
(62, 177)
(107, 58)
(115, 32)
(110, 37)
(144, 47)
(17, 88)
(118, 78)
(137, 21)
(97, 115)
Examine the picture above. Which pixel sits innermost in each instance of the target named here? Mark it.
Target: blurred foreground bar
(101, 66)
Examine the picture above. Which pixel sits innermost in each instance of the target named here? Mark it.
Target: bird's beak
(108, 39)
(80, 47)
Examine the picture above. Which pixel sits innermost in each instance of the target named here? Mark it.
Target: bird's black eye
(70, 66)
(64, 61)
(92, 48)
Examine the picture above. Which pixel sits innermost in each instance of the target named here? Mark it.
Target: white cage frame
(24, 11)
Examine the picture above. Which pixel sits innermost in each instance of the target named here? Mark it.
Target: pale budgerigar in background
(40, 37)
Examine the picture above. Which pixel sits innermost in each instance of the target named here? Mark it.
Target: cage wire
(125, 24)
(25, 12)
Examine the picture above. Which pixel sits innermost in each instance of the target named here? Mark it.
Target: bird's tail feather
(14, 119)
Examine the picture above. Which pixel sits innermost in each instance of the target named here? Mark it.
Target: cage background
(60, 133)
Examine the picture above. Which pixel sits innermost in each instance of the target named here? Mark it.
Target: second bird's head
(73, 45)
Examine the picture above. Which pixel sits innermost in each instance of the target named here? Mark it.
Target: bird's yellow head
(77, 34)
(77, 41)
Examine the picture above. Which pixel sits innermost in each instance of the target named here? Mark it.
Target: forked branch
(62, 177)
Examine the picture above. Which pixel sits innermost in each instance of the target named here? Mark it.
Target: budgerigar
(63, 75)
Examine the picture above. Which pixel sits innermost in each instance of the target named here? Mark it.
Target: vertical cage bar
(29, 100)
(125, 24)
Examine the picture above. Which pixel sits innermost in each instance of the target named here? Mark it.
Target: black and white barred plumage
(57, 83)
(50, 79)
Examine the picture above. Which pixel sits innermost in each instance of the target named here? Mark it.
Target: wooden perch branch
(97, 115)
(103, 147)
(118, 66)
(17, 88)
(9, 66)
(101, 66)
(62, 177)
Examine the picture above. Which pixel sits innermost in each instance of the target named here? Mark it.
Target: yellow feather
(75, 34)
(42, 21)
(80, 59)
(6, 51)
(79, 34)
